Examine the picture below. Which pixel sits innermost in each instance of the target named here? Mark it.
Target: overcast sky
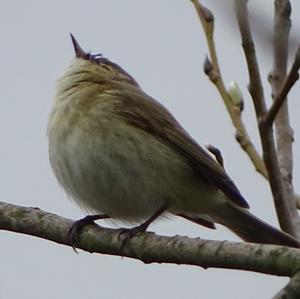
(161, 44)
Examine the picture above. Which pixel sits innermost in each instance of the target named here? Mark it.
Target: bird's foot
(78, 225)
(128, 233)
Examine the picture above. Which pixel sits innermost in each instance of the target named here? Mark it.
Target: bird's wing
(147, 114)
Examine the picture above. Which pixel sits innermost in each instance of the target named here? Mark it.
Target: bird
(120, 154)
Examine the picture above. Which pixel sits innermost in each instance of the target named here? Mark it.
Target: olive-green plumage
(117, 151)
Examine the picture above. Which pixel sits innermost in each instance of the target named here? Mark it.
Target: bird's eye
(94, 57)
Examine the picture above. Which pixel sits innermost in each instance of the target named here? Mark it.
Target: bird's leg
(78, 225)
(128, 233)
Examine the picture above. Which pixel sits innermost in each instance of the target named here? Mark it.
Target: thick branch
(291, 290)
(284, 132)
(215, 76)
(284, 213)
(150, 248)
(280, 85)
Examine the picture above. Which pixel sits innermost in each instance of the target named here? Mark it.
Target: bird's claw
(78, 225)
(128, 233)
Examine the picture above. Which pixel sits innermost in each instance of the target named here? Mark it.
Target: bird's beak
(78, 50)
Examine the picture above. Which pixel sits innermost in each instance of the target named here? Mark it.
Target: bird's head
(94, 68)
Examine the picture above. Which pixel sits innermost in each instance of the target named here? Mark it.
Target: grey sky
(161, 44)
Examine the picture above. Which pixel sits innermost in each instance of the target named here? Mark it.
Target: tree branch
(280, 86)
(150, 248)
(214, 74)
(255, 86)
(291, 290)
(280, 98)
(284, 213)
(284, 133)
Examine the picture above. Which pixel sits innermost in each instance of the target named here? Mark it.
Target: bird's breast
(108, 166)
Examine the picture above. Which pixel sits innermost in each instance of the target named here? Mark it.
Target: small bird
(119, 153)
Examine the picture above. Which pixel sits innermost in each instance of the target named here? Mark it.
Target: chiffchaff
(117, 151)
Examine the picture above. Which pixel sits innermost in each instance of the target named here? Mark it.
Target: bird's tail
(252, 229)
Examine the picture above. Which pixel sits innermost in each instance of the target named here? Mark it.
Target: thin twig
(284, 213)
(255, 86)
(242, 136)
(288, 83)
(151, 248)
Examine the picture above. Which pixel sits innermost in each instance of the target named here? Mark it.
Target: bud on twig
(217, 153)
(207, 14)
(207, 66)
(236, 95)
